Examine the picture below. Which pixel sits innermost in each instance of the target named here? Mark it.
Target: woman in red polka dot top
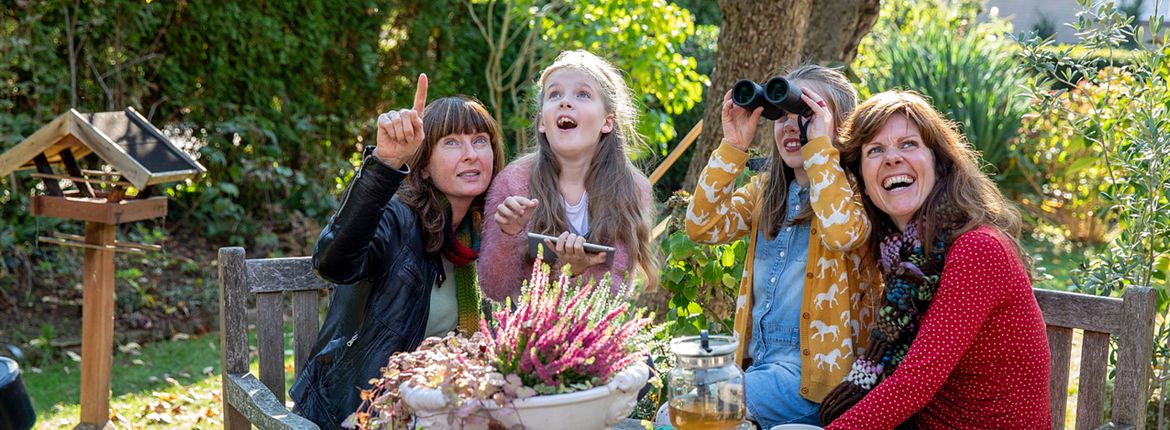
(959, 340)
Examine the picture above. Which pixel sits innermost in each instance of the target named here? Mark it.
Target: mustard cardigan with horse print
(835, 317)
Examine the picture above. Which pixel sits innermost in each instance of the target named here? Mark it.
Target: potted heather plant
(564, 356)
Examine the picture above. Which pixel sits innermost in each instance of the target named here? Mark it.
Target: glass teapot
(706, 386)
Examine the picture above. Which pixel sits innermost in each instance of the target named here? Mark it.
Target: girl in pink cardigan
(579, 185)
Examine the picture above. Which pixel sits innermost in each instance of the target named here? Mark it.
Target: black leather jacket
(373, 249)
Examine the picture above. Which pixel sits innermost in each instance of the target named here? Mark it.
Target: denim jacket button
(808, 275)
(804, 315)
(803, 390)
(805, 352)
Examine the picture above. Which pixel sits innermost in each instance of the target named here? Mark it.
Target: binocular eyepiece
(777, 97)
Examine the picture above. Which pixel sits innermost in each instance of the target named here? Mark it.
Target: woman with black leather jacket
(402, 248)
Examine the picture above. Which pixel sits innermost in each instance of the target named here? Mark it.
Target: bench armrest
(253, 399)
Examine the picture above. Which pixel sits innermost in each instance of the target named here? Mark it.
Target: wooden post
(97, 326)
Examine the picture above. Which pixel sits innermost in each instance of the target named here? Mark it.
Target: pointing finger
(420, 94)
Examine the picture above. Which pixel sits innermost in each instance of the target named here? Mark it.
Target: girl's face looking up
(573, 115)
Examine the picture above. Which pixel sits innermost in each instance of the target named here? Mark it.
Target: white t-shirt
(578, 215)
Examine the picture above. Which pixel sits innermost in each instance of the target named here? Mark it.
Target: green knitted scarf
(462, 253)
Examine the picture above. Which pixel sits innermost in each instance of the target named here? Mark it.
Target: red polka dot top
(981, 356)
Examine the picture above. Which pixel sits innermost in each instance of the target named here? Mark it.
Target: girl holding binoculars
(802, 308)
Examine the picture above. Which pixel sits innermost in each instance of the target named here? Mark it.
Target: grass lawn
(1053, 264)
(171, 384)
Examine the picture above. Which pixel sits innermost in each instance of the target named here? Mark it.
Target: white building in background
(1053, 15)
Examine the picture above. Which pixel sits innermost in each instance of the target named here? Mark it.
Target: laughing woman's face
(898, 169)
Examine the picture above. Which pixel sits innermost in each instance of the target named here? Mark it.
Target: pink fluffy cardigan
(503, 259)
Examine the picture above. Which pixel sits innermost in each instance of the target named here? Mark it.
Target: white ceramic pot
(593, 409)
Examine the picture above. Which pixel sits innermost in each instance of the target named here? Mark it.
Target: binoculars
(777, 96)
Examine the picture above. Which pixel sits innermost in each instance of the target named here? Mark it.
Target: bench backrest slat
(270, 341)
(233, 328)
(1131, 320)
(1059, 348)
(306, 325)
(1094, 366)
(1135, 351)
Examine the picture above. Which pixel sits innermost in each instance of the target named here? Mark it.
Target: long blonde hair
(617, 213)
(842, 98)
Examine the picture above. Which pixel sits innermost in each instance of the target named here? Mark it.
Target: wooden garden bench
(1131, 319)
(248, 400)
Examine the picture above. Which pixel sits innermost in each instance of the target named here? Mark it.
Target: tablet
(535, 240)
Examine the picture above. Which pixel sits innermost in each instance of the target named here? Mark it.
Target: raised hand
(822, 120)
(570, 249)
(513, 214)
(739, 125)
(401, 132)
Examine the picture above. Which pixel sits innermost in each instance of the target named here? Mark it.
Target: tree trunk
(753, 46)
(836, 45)
(756, 40)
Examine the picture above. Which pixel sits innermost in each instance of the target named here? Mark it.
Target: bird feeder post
(136, 156)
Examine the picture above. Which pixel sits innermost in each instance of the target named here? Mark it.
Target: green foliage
(701, 46)
(703, 279)
(275, 97)
(1127, 122)
(1062, 57)
(1067, 174)
(966, 68)
(643, 38)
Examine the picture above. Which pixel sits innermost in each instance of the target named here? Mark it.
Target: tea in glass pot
(706, 387)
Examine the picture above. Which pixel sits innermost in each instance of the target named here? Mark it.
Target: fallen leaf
(208, 370)
(73, 356)
(158, 418)
(137, 362)
(132, 348)
(164, 396)
(180, 336)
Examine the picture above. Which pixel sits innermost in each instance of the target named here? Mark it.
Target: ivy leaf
(728, 257)
(729, 281)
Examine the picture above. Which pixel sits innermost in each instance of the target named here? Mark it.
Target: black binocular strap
(803, 124)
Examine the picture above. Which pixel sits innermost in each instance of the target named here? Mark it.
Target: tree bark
(758, 40)
(836, 45)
